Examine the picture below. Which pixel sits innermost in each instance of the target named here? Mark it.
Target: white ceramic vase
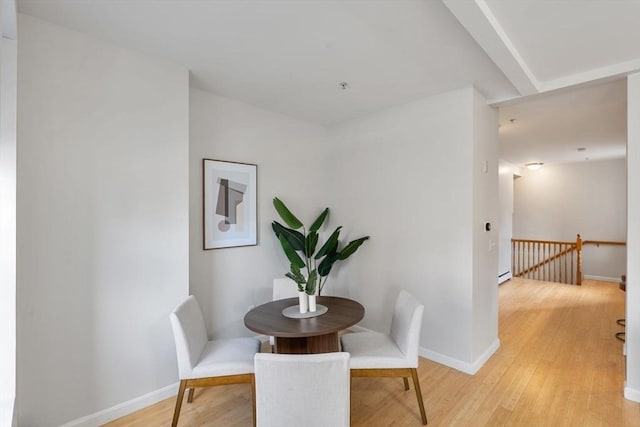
(303, 301)
(312, 303)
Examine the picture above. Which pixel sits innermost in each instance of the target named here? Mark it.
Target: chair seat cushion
(372, 350)
(232, 356)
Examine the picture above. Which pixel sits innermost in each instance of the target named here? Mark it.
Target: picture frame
(230, 213)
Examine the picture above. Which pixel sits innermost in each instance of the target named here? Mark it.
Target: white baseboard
(631, 394)
(486, 355)
(466, 367)
(504, 277)
(125, 408)
(602, 278)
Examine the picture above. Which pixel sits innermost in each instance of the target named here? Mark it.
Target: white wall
(8, 63)
(506, 176)
(405, 176)
(103, 215)
(102, 222)
(632, 386)
(289, 155)
(484, 323)
(557, 202)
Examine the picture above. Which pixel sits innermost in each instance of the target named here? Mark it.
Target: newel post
(579, 249)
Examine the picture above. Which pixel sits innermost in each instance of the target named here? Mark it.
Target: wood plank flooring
(559, 364)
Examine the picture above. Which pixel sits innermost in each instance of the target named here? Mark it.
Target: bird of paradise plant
(300, 249)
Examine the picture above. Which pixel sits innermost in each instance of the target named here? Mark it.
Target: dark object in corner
(622, 322)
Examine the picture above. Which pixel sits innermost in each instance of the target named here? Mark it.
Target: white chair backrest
(310, 390)
(406, 324)
(284, 287)
(190, 334)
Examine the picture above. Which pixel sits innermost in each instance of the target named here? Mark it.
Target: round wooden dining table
(317, 334)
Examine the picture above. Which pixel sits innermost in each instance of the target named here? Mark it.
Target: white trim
(631, 394)
(504, 277)
(591, 76)
(125, 408)
(478, 19)
(466, 367)
(602, 278)
(484, 357)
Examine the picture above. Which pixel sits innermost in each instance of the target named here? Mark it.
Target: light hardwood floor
(559, 364)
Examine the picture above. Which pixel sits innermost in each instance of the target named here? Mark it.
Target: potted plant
(310, 268)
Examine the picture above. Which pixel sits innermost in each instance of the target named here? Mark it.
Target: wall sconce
(534, 165)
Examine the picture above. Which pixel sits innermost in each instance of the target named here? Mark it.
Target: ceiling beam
(476, 17)
(609, 72)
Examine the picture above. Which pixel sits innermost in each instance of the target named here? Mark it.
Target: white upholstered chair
(390, 355)
(204, 363)
(310, 390)
(283, 287)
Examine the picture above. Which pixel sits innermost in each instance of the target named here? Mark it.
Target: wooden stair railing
(551, 261)
(603, 243)
(547, 260)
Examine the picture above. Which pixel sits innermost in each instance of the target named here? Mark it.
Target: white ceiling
(290, 56)
(551, 127)
(560, 40)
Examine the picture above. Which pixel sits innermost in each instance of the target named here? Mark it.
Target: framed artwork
(229, 202)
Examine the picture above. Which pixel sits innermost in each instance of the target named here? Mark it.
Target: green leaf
(330, 244)
(327, 264)
(319, 221)
(310, 244)
(286, 215)
(295, 238)
(311, 282)
(351, 247)
(295, 270)
(291, 254)
(297, 277)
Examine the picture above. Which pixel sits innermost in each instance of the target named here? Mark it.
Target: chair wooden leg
(416, 386)
(406, 383)
(253, 398)
(176, 411)
(190, 397)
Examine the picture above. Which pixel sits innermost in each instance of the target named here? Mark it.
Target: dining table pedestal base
(327, 343)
